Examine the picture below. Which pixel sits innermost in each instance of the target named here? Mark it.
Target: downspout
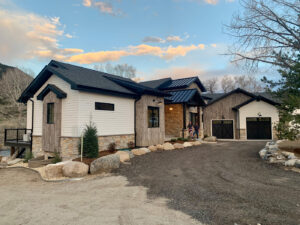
(135, 101)
(32, 115)
(184, 119)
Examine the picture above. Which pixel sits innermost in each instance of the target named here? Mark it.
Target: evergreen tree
(90, 142)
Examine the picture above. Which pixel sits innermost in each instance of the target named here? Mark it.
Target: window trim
(105, 105)
(48, 113)
(152, 108)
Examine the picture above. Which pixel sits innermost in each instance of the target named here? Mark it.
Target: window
(50, 113)
(153, 117)
(104, 106)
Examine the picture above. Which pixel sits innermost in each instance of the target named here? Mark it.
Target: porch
(18, 139)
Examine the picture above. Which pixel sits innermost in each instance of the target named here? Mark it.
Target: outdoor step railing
(18, 135)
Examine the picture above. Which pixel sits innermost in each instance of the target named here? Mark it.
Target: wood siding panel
(222, 109)
(149, 136)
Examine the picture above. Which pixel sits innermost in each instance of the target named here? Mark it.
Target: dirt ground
(222, 183)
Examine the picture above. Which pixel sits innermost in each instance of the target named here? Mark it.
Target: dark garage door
(259, 128)
(222, 129)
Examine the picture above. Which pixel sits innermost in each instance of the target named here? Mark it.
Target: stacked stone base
(69, 146)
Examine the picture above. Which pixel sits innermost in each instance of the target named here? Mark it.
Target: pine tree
(90, 142)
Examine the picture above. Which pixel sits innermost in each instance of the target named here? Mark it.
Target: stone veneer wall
(243, 135)
(69, 147)
(173, 120)
(37, 146)
(120, 140)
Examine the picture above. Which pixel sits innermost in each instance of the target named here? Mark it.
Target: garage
(259, 128)
(222, 129)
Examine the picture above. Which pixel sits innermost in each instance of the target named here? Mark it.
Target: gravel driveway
(222, 183)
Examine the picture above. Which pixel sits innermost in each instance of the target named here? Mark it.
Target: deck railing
(18, 136)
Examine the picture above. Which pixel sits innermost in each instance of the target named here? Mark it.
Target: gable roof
(169, 84)
(51, 87)
(184, 96)
(257, 98)
(89, 80)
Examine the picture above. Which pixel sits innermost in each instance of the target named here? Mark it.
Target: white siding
(119, 121)
(258, 107)
(29, 115)
(69, 108)
(78, 109)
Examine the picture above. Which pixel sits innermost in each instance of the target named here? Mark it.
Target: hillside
(12, 83)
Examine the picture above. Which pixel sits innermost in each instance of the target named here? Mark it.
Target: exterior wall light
(259, 114)
(170, 108)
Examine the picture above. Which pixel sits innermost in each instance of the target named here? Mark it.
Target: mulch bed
(88, 161)
(180, 142)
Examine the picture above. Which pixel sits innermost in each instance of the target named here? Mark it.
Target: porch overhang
(51, 87)
(189, 97)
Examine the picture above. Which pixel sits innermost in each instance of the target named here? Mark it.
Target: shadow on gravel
(222, 183)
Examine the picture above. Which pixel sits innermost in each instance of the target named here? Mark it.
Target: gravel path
(222, 183)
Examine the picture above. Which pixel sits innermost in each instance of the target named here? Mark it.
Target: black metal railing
(18, 135)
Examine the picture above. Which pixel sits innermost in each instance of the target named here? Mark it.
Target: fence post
(5, 135)
(17, 135)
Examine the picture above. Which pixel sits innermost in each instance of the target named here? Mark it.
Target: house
(240, 115)
(64, 98)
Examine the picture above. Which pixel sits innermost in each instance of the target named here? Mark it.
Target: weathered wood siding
(51, 132)
(149, 136)
(222, 109)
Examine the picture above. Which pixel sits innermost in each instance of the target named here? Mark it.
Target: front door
(259, 128)
(222, 129)
(51, 123)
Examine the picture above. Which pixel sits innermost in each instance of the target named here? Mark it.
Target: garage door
(222, 129)
(259, 128)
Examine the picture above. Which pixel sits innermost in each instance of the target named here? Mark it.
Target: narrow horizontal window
(104, 106)
(153, 117)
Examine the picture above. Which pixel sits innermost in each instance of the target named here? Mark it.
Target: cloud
(170, 38)
(167, 53)
(69, 35)
(212, 2)
(213, 45)
(103, 7)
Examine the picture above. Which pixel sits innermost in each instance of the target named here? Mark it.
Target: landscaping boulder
(210, 139)
(178, 146)
(168, 146)
(4, 159)
(297, 164)
(187, 144)
(124, 155)
(14, 161)
(152, 148)
(105, 164)
(290, 162)
(75, 169)
(54, 170)
(131, 155)
(160, 147)
(140, 151)
(195, 143)
(262, 153)
(288, 155)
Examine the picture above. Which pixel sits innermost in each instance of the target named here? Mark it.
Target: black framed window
(104, 106)
(153, 117)
(50, 113)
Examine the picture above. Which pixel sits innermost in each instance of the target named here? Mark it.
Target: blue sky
(175, 38)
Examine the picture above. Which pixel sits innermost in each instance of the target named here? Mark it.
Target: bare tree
(227, 84)
(268, 31)
(123, 70)
(12, 83)
(211, 85)
(248, 83)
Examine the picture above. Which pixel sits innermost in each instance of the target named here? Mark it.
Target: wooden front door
(51, 123)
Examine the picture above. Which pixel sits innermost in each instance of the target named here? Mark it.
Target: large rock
(140, 151)
(160, 147)
(75, 169)
(187, 144)
(297, 164)
(262, 153)
(105, 164)
(4, 159)
(14, 161)
(288, 155)
(196, 143)
(290, 162)
(168, 146)
(124, 155)
(152, 148)
(178, 146)
(53, 171)
(210, 139)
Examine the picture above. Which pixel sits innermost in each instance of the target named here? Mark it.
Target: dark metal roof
(257, 98)
(51, 87)
(169, 84)
(184, 96)
(84, 79)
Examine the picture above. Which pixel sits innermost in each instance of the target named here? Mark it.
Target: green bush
(28, 155)
(56, 158)
(90, 142)
(173, 139)
(112, 147)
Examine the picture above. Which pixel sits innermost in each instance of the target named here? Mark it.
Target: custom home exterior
(64, 98)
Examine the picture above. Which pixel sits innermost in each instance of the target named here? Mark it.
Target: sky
(176, 38)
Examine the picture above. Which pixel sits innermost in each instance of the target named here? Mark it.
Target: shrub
(180, 139)
(56, 158)
(90, 142)
(112, 147)
(130, 144)
(173, 140)
(28, 155)
(205, 135)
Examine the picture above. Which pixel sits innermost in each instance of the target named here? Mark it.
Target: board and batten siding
(256, 108)
(78, 109)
